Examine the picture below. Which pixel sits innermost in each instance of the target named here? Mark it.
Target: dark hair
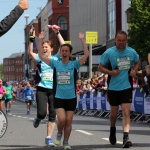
(68, 45)
(121, 32)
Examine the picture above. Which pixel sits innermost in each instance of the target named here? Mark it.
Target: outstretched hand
(24, 4)
(80, 35)
(32, 32)
(41, 35)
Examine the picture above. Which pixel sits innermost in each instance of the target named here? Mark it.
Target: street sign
(91, 37)
(68, 42)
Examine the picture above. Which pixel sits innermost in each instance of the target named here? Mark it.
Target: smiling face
(65, 53)
(47, 48)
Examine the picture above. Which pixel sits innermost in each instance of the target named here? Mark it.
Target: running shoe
(49, 142)
(112, 137)
(36, 122)
(126, 143)
(66, 146)
(28, 112)
(57, 141)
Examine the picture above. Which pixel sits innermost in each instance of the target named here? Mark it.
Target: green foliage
(139, 32)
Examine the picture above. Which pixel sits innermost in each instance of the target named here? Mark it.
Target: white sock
(48, 137)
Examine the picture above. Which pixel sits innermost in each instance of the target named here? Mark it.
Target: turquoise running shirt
(45, 72)
(65, 75)
(122, 60)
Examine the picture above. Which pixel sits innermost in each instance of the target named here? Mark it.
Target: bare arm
(102, 69)
(85, 50)
(60, 38)
(135, 69)
(40, 51)
(30, 47)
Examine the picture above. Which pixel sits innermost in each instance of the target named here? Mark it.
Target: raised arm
(40, 51)
(85, 50)
(14, 15)
(30, 47)
(60, 38)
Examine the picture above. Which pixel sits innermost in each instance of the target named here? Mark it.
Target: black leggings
(44, 96)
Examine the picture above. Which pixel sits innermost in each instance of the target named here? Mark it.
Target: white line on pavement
(87, 133)
(25, 117)
(19, 116)
(31, 118)
(108, 140)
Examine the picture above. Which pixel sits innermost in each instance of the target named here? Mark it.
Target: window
(111, 19)
(62, 22)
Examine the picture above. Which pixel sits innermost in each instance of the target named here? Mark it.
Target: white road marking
(31, 118)
(25, 117)
(87, 133)
(19, 116)
(14, 115)
(107, 139)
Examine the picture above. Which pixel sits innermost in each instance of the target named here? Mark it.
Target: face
(28, 85)
(47, 49)
(65, 52)
(121, 41)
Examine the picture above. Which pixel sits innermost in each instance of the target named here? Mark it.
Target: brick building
(13, 67)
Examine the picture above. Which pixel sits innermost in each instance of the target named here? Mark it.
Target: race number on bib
(29, 98)
(47, 75)
(123, 63)
(63, 78)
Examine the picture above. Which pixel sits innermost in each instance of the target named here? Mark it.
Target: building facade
(14, 67)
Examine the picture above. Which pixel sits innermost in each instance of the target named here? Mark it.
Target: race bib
(7, 92)
(29, 98)
(1, 96)
(63, 78)
(123, 63)
(47, 75)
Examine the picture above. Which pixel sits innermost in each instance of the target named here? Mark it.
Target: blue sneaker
(28, 112)
(49, 142)
(36, 122)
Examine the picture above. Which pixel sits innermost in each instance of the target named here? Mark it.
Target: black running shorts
(117, 98)
(66, 104)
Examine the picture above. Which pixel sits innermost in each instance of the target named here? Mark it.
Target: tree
(139, 23)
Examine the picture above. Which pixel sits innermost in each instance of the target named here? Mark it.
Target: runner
(119, 61)
(44, 83)
(8, 97)
(65, 100)
(28, 93)
(2, 92)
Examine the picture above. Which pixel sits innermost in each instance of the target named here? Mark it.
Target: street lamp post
(26, 50)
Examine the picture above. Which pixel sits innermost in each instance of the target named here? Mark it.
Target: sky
(13, 41)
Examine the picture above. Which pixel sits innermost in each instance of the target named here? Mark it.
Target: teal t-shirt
(8, 94)
(46, 73)
(114, 58)
(65, 88)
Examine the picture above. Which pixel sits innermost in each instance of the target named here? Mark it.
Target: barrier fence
(96, 104)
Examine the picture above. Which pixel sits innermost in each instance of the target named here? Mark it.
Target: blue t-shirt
(122, 60)
(46, 73)
(65, 88)
(28, 93)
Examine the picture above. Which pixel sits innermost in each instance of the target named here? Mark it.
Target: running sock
(125, 135)
(48, 137)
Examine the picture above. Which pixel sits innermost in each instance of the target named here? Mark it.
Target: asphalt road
(89, 133)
